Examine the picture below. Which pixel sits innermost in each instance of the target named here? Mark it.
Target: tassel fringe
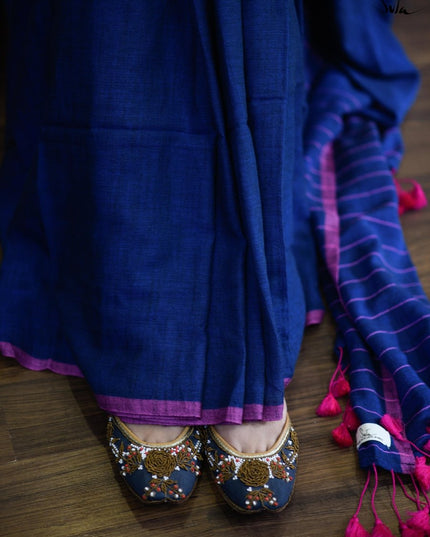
(381, 530)
(422, 473)
(329, 406)
(406, 531)
(355, 529)
(342, 436)
(338, 387)
(393, 426)
(417, 524)
(419, 520)
(350, 418)
(410, 200)
(341, 387)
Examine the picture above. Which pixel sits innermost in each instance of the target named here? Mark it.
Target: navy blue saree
(150, 244)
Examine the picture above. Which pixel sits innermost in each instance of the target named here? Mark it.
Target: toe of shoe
(253, 484)
(157, 474)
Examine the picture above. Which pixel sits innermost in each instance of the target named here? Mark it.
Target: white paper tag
(373, 432)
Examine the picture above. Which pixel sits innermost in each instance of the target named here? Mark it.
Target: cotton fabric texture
(177, 178)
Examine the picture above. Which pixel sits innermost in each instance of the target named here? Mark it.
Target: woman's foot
(253, 436)
(155, 434)
(249, 437)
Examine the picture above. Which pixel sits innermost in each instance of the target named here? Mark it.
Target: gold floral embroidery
(168, 487)
(227, 470)
(185, 461)
(264, 495)
(109, 430)
(294, 441)
(211, 454)
(119, 452)
(278, 470)
(288, 460)
(132, 461)
(159, 462)
(254, 473)
(290, 453)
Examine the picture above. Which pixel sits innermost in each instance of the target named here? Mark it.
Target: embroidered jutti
(177, 177)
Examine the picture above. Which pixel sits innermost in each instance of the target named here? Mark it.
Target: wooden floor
(56, 478)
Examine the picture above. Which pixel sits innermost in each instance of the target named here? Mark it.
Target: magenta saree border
(331, 223)
(184, 412)
(155, 411)
(393, 408)
(30, 362)
(314, 317)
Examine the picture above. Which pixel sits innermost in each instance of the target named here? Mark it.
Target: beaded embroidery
(255, 473)
(160, 463)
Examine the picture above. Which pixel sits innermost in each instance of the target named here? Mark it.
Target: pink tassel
(342, 436)
(328, 406)
(340, 387)
(422, 473)
(419, 196)
(337, 387)
(393, 426)
(350, 418)
(355, 529)
(413, 199)
(419, 520)
(405, 531)
(381, 530)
